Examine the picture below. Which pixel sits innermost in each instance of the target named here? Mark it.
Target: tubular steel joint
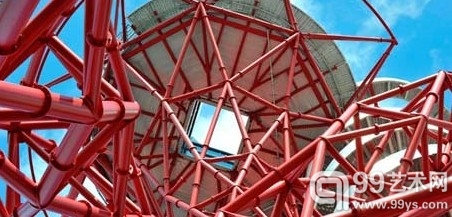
(137, 172)
(406, 160)
(177, 203)
(88, 207)
(401, 88)
(341, 122)
(114, 45)
(435, 95)
(122, 172)
(53, 161)
(122, 107)
(98, 42)
(377, 129)
(47, 102)
(278, 174)
(10, 49)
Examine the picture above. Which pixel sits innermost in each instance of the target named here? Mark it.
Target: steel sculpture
(130, 130)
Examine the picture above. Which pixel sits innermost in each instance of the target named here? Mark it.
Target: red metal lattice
(140, 171)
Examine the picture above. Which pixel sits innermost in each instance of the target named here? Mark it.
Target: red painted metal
(139, 173)
(12, 26)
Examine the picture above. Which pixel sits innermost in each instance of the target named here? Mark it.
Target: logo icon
(330, 187)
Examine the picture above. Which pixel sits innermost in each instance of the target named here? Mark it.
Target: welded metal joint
(46, 103)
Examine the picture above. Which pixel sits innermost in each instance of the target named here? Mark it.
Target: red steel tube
(329, 37)
(280, 202)
(141, 194)
(153, 201)
(43, 102)
(106, 187)
(70, 207)
(74, 65)
(320, 76)
(188, 171)
(290, 15)
(182, 53)
(41, 24)
(244, 170)
(160, 26)
(166, 148)
(380, 19)
(97, 38)
(291, 75)
(12, 197)
(123, 154)
(264, 57)
(378, 150)
(87, 193)
(34, 141)
(365, 85)
(358, 144)
(26, 209)
(92, 149)
(3, 211)
(10, 24)
(117, 65)
(213, 41)
(250, 19)
(372, 129)
(198, 168)
(400, 90)
(35, 66)
(8, 115)
(242, 201)
(62, 160)
(15, 179)
(37, 107)
(238, 116)
(28, 125)
(288, 166)
(312, 83)
(317, 164)
(431, 98)
(439, 141)
(265, 103)
(287, 138)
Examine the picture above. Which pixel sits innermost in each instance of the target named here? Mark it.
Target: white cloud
(437, 60)
(310, 7)
(361, 56)
(392, 12)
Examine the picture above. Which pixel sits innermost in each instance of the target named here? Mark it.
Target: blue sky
(422, 28)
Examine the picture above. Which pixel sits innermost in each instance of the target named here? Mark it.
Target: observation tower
(208, 108)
